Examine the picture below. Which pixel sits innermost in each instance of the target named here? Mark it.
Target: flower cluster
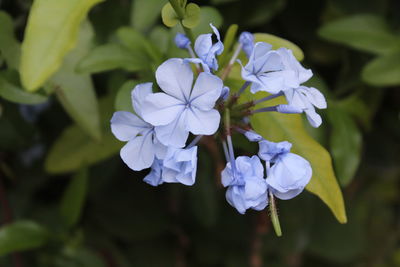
(190, 105)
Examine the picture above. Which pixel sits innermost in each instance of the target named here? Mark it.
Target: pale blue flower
(271, 151)
(180, 166)
(207, 51)
(225, 93)
(246, 39)
(181, 41)
(273, 70)
(253, 136)
(265, 70)
(181, 109)
(289, 173)
(247, 188)
(142, 144)
(154, 178)
(305, 99)
(288, 176)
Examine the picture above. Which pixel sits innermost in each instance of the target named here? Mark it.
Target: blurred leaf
(228, 44)
(345, 144)
(279, 127)
(75, 91)
(108, 57)
(383, 71)
(123, 100)
(145, 12)
(161, 36)
(74, 149)
(21, 235)
(192, 16)
(10, 48)
(51, 32)
(264, 11)
(278, 42)
(17, 95)
(74, 198)
(355, 106)
(364, 32)
(138, 44)
(208, 15)
(168, 15)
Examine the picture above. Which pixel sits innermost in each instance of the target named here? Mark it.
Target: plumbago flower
(181, 109)
(190, 105)
(278, 72)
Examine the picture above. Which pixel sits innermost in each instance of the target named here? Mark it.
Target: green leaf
(192, 16)
(10, 48)
(123, 100)
(74, 197)
(75, 91)
(367, 33)
(108, 57)
(74, 149)
(383, 71)
(15, 94)
(161, 36)
(208, 15)
(345, 144)
(21, 235)
(279, 127)
(51, 32)
(138, 44)
(168, 15)
(228, 44)
(145, 13)
(278, 42)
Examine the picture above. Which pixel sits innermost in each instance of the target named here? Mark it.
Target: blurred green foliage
(68, 200)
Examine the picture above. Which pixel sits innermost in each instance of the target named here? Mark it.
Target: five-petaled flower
(181, 108)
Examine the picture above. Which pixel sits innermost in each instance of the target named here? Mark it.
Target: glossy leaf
(45, 44)
(145, 12)
(10, 48)
(383, 71)
(15, 94)
(345, 144)
(364, 32)
(192, 16)
(75, 91)
(108, 57)
(21, 235)
(168, 15)
(74, 197)
(278, 42)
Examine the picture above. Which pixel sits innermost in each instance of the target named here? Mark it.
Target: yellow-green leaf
(168, 15)
(279, 127)
(278, 42)
(51, 32)
(192, 16)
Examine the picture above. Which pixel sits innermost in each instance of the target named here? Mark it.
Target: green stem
(180, 11)
(274, 215)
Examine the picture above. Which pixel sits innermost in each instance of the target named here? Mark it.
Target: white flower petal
(125, 125)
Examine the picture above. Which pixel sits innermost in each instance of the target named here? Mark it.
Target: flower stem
(231, 62)
(267, 98)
